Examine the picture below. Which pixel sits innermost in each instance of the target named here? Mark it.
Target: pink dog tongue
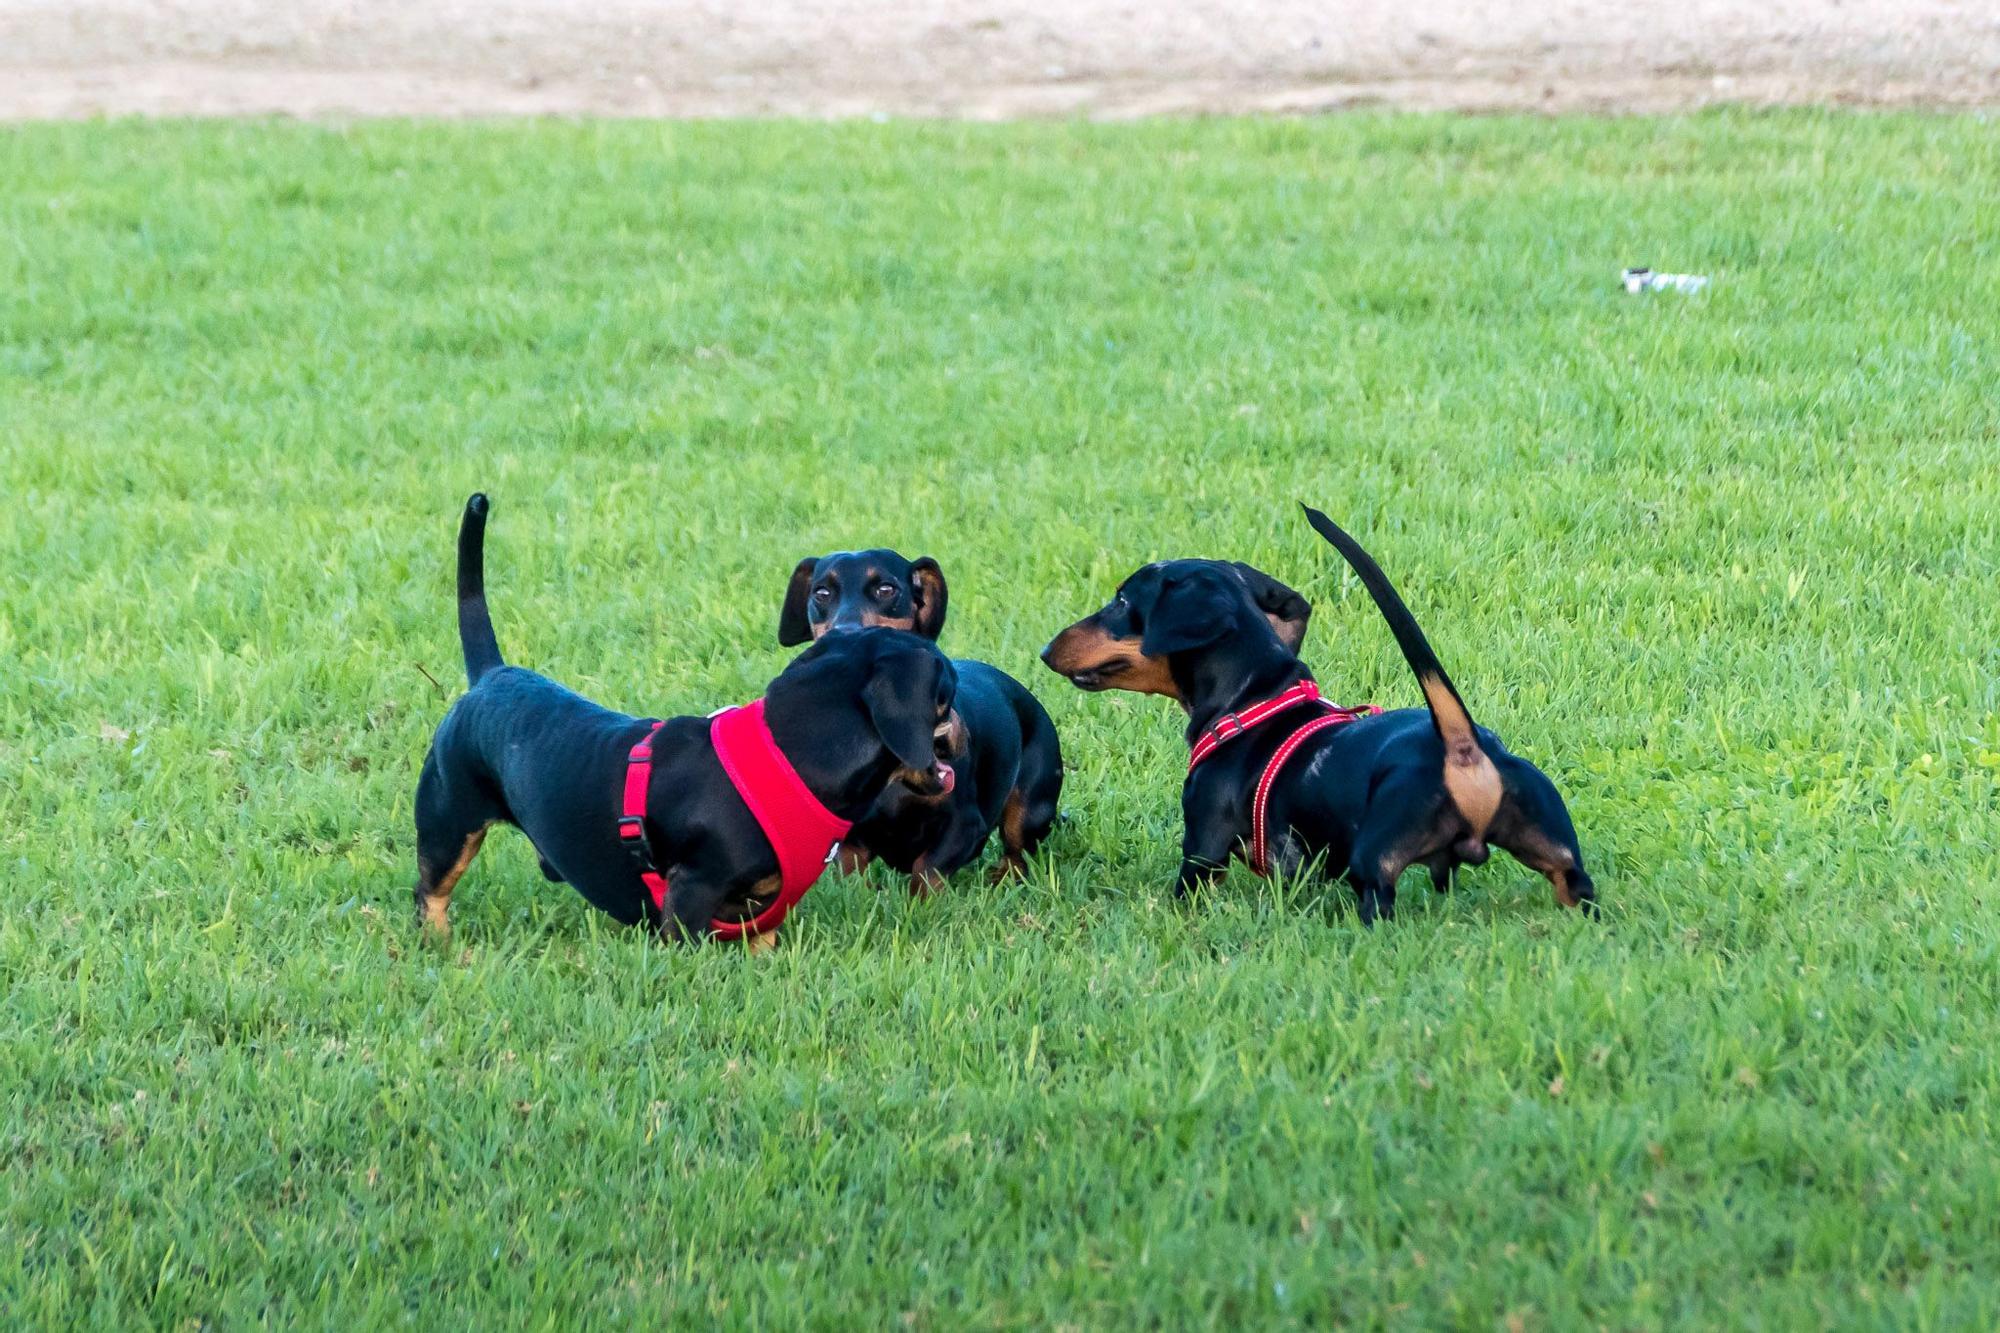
(949, 778)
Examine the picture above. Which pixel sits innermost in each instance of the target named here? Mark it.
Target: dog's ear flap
(793, 627)
(1285, 609)
(901, 697)
(1188, 613)
(927, 583)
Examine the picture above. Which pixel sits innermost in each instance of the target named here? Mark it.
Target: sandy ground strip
(983, 59)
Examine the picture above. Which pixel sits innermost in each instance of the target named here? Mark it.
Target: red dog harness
(804, 834)
(1232, 725)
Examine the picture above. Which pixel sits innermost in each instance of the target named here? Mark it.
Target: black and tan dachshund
(1372, 795)
(1002, 745)
(853, 716)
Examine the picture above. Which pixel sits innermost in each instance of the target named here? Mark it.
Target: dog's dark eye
(884, 591)
(822, 594)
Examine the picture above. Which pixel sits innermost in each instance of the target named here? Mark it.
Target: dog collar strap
(632, 817)
(1232, 725)
(802, 832)
(1260, 860)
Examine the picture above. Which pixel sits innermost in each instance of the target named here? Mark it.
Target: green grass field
(1725, 567)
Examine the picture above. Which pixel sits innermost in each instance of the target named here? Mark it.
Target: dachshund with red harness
(1281, 777)
(700, 826)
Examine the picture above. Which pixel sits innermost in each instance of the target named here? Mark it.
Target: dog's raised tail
(1469, 775)
(475, 625)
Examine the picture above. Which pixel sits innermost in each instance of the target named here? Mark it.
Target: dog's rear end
(1500, 799)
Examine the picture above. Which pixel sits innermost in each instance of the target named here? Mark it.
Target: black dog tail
(475, 626)
(1469, 775)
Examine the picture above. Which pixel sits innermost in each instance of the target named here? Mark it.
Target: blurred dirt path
(979, 58)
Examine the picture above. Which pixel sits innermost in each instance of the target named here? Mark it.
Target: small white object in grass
(1638, 280)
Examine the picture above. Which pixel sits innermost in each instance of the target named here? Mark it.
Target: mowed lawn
(1724, 566)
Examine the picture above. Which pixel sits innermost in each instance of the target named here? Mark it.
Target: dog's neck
(1246, 669)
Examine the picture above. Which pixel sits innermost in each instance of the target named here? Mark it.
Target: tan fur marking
(958, 739)
(437, 898)
(1085, 647)
(1469, 776)
(763, 943)
(1537, 851)
(1475, 789)
(871, 618)
(931, 584)
(1012, 816)
(854, 858)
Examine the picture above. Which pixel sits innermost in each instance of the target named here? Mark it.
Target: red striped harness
(1232, 725)
(804, 833)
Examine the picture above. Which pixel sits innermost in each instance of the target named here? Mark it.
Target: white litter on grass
(1638, 280)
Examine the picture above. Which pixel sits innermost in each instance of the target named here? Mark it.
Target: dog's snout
(842, 620)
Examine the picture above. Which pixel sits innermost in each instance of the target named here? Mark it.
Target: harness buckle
(1226, 727)
(632, 833)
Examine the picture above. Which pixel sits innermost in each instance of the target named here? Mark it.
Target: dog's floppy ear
(927, 582)
(793, 627)
(901, 697)
(1285, 609)
(1188, 613)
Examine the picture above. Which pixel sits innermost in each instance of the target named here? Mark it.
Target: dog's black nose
(1047, 651)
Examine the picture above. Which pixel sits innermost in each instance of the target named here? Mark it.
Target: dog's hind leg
(449, 833)
(1533, 825)
(1409, 820)
(1031, 807)
(1017, 840)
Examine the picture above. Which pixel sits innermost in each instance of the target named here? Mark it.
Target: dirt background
(980, 58)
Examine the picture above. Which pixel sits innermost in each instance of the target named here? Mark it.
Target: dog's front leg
(1207, 835)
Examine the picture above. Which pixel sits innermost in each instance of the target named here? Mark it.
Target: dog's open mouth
(939, 782)
(1099, 676)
